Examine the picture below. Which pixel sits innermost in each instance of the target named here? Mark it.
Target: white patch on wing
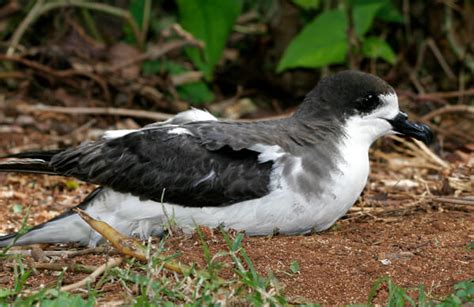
(181, 118)
(193, 115)
(113, 134)
(267, 152)
(179, 131)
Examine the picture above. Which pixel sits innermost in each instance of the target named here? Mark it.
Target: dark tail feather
(29, 162)
(67, 227)
(27, 166)
(45, 155)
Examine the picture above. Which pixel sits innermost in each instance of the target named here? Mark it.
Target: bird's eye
(368, 103)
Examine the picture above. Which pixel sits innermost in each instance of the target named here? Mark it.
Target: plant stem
(40, 8)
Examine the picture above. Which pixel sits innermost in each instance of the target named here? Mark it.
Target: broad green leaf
(321, 42)
(363, 16)
(374, 47)
(211, 22)
(389, 12)
(307, 4)
(17, 208)
(6, 292)
(196, 93)
(294, 267)
(136, 8)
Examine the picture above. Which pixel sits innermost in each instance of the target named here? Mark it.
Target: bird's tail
(29, 162)
(67, 227)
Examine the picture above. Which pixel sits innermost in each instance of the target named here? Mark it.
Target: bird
(292, 175)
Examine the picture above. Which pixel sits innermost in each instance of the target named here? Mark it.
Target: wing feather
(148, 161)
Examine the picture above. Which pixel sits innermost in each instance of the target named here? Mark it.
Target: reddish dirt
(424, 245)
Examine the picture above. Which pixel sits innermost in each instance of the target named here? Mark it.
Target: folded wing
(168, 164)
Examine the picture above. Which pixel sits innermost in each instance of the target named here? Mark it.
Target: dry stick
(74, 267)
(156, 52)
(113, 262)
(157, 116)
(450, 200)
(40, 8)
(423, 150)
(431, 154)
(60, 74)
(152, 54)
(16, 37)
(439, 56)
(440, 95)
(125, 245)
(65, 253)
(448, 109)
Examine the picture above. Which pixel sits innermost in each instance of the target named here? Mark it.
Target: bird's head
(360, 101)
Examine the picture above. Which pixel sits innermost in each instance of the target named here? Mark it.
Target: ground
(408, 225)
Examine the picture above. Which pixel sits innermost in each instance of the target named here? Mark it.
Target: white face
(369, 127)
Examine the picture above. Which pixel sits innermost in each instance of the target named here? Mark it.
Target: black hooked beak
(402, 125)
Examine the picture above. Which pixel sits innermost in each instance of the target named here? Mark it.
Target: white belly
(283, 210)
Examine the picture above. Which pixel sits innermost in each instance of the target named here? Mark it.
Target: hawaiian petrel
(291, 175)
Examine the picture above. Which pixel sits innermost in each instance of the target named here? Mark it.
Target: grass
(149, 283)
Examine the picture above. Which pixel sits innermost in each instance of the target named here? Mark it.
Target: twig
(448, 109)
(74, 267)
(441, 95)
(125, 245)
(65, 253)
(157, 116)
(439, 56)
(40, 8)
(113, 262)
(152, 54)
(60, 74)
(146, 20)
(431, 154)
(187, 77)
(16, 37)
(453, 200)
(187, 36)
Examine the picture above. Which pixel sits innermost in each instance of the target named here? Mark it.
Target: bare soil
(395, 229)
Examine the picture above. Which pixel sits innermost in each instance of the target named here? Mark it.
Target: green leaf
(5, 292)
(136, 8)
(196, 93)
(374, 47)
(294, 267)
(321, 42)
(363, 16)
(71, 184)
(237, 242)
(307, 4)
(211, 22)
(17, 208)
(389, 12)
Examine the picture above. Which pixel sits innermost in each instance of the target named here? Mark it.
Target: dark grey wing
(176, 168)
